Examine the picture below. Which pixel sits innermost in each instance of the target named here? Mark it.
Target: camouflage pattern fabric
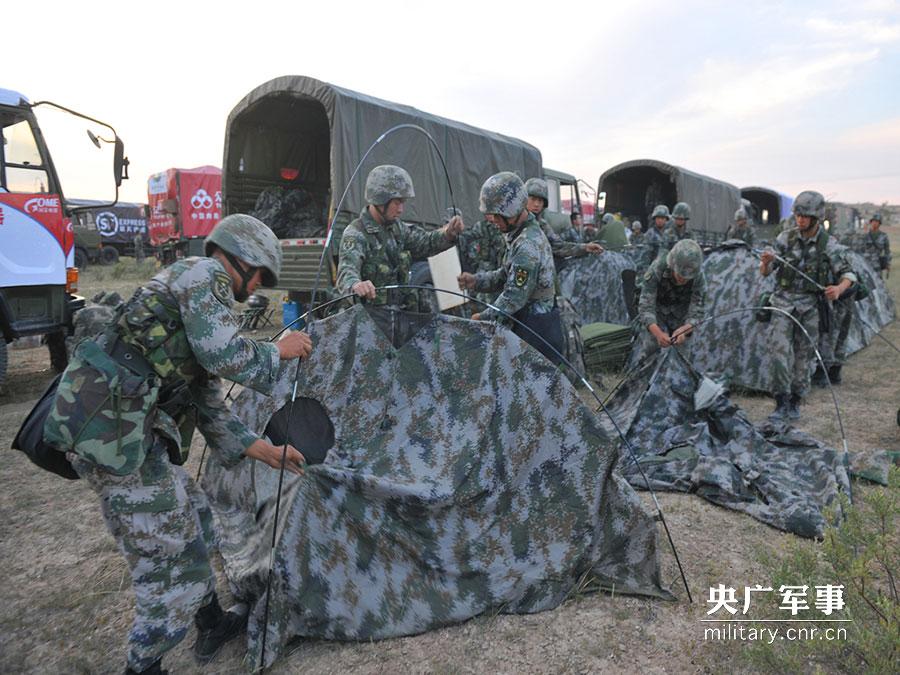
(99, 313)
(481, 249)
(594, 285)
(574, 343)
(612, 234)
(833, 344)
(771, 472)
(874, 246)
(387, 182)
(526, 274)
(655, 242)
(673, 234)
(291, 213)
(746, 233)
(739, 347)
(466, 476)
(163, 526)
(560, 247)
(383, 255)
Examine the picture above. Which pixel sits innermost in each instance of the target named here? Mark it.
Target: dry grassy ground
(66, 602)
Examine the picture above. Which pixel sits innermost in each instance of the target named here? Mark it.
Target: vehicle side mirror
(120, 162)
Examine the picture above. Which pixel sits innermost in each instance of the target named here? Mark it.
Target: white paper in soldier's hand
(444, 270)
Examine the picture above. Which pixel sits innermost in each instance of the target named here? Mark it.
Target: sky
(788, 95)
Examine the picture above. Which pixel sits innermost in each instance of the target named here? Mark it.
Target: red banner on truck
(184, 203)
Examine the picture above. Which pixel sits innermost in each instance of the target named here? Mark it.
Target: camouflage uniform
(792, 353)
(383, 255)
(561, 249)
(745, 233)
(481, 249)
(655, 241)
(673, 234)
(669, 305)
(181, 322)
(875, 246)
(527, 276)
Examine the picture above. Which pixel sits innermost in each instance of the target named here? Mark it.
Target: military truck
(768, 207)
(38, 278)
(633, 188)
(184, 206)
(113, 228)
(297, 140)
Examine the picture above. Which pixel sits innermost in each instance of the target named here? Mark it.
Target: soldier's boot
(781, 408)
(794, 406)
(818, 377)
(834, 374)
(216, 627)
(155, 669)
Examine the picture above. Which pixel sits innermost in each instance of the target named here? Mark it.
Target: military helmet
(387, 182)
(636, 224)
(608, 218)
(875, 216)
(250, 240)
(682, 210)
(660, 211)
(685, 258)
(503, 194)
(450, 213)
(740, 214)
(810, 203)
(537, 187)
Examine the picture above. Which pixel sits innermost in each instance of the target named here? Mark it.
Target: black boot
(215, 628)
(781, 408)
(834, 374)
(818, 377)
(155, 669)
(794, 406)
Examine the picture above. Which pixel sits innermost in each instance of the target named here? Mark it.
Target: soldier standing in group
(637, 234)
(527, 276)
(575, 233)
(138, 248)
(678, 229)
(741, 228)
(612, 232)
(673, 298)
(481, 249)
(875, 246)
(377, 248)
(655, 238)
(538, 199)
(159, 362)
(808, 248)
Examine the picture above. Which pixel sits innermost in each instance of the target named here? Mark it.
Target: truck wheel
(3, 360)
(81, 259)
(420, 275)
(109, 255)
(59, 358)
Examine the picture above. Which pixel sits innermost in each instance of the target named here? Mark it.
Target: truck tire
(81, 258)
(59, 357)
(109, 255)
(3, 361)
(420, 275)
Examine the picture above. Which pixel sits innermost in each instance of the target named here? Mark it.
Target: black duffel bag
(30, 438)
(547, 324)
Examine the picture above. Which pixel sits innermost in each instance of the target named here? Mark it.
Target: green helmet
(450, 213)
(682, 210)
(636, 225)
(810, 203)
(250, 240)
(660, 211)
(740, 214)
(685, 258)
(537, 187)
(875, 216)
(387, 182)
(608, 218)
(503, 194)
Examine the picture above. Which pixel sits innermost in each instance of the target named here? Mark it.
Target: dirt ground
(66, 600)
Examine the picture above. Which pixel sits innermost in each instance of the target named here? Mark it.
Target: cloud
(871, 31)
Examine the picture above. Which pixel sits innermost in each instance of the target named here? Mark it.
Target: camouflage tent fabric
(292, 214)
(736, 345)
(465, 476)
(594, 285)
(689, 441)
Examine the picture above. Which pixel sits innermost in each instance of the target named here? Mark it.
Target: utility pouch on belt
(764, 314)
(30, 438)
(103, 410)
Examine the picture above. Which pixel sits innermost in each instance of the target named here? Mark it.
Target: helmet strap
(382, 210)
(246, 275)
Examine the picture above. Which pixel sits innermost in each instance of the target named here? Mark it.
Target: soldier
(377, 248)
(875, 247)
(481, 249)
(138, 248)
(655, 238)
(808, 248)
(678, 229)
(160, 361)
(637, 234)
(673, 298)
(741, 228)
(538, 199)
(612, 233)
(527, 276)
(575, 233)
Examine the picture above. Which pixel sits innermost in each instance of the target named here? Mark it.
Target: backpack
(30, 438)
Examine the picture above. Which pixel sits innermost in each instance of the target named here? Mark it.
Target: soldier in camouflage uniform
(377, 248)
(808, 248)
(655, 238)
(673, 298)
(159, 361)
(527, 277)
(538, 199)
(875, 247)
(741, 228)
(481, 249)
(678, 229)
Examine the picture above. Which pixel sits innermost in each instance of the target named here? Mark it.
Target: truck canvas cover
(633, 188)
(775, 203)
(296, 131)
